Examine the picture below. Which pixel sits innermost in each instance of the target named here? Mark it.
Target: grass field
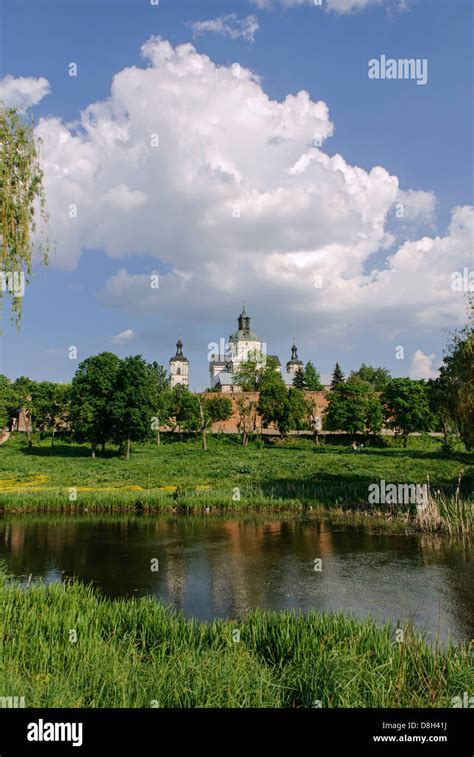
(136, 653)
(291, 475)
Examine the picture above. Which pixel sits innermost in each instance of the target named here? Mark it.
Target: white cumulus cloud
(187, 140)
(422, 366)
(417, 206)
(193, 164)
(23, 92)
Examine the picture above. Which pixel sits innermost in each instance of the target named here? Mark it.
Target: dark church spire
(244, 320)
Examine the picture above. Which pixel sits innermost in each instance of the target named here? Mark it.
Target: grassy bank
(178, 476)
(443, 515)
(136, 653)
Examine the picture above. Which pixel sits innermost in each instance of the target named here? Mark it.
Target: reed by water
(442, 513)
(138, 653)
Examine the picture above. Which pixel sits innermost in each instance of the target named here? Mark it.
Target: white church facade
(243, 344)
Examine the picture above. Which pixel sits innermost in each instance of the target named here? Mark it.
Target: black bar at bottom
(90, 732)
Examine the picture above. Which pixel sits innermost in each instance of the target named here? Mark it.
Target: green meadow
(271, 474)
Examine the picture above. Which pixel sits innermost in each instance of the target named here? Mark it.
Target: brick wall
(230, 426)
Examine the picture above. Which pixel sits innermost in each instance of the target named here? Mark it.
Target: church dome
(179, 357)
(244, 333)
(294, 362)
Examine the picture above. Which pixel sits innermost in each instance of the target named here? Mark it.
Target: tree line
(370, 397)
(121, 401)
(110, 401)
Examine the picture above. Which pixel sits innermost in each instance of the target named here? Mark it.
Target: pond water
(225, 567)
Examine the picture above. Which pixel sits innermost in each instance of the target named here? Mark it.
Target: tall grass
(137, 653)
(450, 514)
(442, 514)
(184, 500)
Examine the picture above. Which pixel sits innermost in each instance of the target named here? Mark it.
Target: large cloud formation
(192, 164)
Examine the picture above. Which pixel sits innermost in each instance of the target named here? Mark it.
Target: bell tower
(294, 365)
(179, 367)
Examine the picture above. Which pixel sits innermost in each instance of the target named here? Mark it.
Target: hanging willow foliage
(22, 199)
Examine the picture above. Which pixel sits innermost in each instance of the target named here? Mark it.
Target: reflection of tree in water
(173, 563)
(108, 554)
(219, 567)
(14, 539)
(176, 580)
(259, 562)
(28, 544)
(233, 557)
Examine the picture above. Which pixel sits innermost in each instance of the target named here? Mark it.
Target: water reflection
(224, 568)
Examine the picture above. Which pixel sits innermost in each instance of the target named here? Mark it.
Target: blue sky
(420, 134)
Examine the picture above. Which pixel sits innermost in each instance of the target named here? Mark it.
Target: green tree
(21, 193)
(50, 407)
(269, 375)
(9, 400)
(256, 372)
(354, 408)
(378, 377)
(91, 397)
(312, 379)
(218, 408)
(133, 402)
(337, 377)
(248, 372)
(456, 381)
(162, 397)
(247, 410)
(374, 413)
(45, 405)
(299, 380)
(212, 410)
(286, 408)
(442, 408)
(184, 409)
(406, 406)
